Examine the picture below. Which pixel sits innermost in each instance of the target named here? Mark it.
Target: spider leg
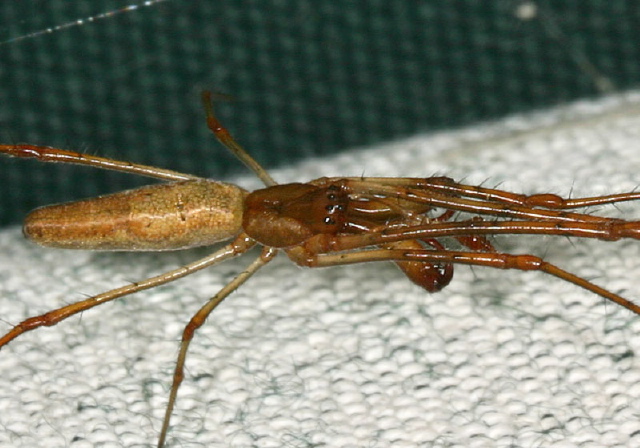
(544, 200)
(448, 186)
(472, 205)
(196, 322)
(610, 230)
(55, 155)
(238, 246)
(495, 260)
(225, 137)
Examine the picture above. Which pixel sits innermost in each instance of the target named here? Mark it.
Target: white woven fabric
(352, 356)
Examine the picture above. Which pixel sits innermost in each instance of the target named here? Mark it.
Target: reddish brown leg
(196, 322)
(48, 154)
(607, 230)
(494, 260)
(546, 200)
(448, 186)
(473, 242)
(471, 205)
(224, 137)
(240, 245)
(434, 199)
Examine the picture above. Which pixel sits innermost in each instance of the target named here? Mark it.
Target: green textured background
(309, 77)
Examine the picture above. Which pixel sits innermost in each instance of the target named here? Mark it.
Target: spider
(412, 222)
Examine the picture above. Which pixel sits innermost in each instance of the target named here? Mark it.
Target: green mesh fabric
(308, 77)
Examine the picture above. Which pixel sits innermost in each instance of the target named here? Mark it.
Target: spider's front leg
(522, 262)
(449, 187)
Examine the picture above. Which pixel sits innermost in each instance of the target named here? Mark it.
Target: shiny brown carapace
(424, 225)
